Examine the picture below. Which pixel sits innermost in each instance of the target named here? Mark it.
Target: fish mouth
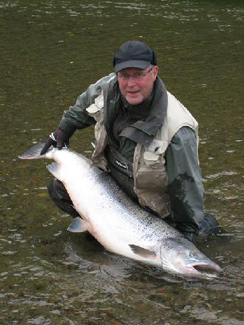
(204, 270)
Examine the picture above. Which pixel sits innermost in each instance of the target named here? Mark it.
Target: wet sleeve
(76, 117)
(185, 180)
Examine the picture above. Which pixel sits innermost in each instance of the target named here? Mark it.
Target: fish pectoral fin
(77, 225)
(143, 252)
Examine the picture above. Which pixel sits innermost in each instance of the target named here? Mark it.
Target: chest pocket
(150, 177)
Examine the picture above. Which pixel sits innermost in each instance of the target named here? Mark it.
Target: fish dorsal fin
(77, 225)
(143, 252)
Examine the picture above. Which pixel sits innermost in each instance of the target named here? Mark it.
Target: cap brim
(139, 64)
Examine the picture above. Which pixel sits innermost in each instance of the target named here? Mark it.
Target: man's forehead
(127, 70)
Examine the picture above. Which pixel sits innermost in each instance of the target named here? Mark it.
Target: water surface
(50, 52)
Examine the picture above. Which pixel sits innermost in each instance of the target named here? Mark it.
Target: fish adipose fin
(77, 225)
(143, 252)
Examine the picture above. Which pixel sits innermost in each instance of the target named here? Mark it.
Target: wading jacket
(165, 168)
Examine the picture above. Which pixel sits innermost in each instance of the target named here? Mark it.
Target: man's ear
(155, 71)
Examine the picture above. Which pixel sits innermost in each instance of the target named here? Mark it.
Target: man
(145, 138)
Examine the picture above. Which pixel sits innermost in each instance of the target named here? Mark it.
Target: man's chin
(133, 100)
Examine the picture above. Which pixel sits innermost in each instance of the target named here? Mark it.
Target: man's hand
(57, 139)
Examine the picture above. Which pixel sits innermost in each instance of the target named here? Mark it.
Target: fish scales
(120, 224)
(112, 210)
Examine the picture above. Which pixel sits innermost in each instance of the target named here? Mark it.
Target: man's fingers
(57, 139)
(47, 145)
(60, 143)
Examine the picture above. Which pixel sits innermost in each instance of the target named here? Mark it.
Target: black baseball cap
(134, 54)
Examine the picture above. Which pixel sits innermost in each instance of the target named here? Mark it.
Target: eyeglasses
(136, 76)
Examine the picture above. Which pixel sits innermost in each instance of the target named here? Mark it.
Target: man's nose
(131, 81)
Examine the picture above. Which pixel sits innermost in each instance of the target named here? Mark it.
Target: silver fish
(120, 224)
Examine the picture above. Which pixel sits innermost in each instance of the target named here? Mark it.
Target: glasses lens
(135, 76)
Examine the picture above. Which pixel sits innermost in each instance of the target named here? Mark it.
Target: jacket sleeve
(76, 117)
(185, 181)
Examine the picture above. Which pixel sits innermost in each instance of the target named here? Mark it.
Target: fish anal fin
(143, 252)
(55, 169)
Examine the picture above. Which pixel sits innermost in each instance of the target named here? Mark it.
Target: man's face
(136, 85)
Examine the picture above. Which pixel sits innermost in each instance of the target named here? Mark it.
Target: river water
(50, 52)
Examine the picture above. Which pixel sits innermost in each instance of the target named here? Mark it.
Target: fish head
(180, 257)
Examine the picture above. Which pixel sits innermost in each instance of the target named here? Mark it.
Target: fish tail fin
(55, 170)
(34, 152)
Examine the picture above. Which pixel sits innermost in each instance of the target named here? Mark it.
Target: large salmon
(120, 224)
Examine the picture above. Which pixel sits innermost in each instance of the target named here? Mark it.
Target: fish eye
(193, 255)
